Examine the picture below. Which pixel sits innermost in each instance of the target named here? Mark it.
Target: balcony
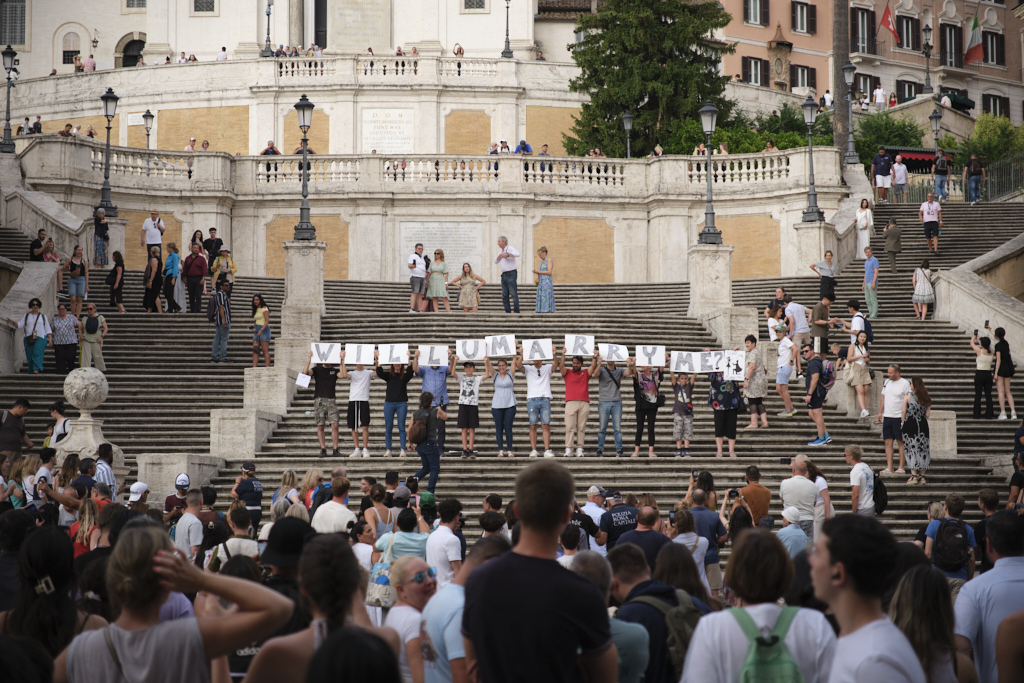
(867, 50)
(953, 62)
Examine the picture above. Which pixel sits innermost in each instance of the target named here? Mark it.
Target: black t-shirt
(575, 620)
(776, 302)
(1017, 480)
(815, 367)
(431, 418)
(365, 504)
(240, 660)
(85, 559)
(1018, 447)
(397, 385)
(650, 542)
(250, 492)
(100, 229)
(32, 255)
(980, 533)
(921, 534)
(617, 521)
(212, 247)
(587, 525)
(1003, 349)
(12, 432)
(326, 381)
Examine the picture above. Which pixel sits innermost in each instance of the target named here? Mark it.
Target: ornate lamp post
(304, 230)
(147, 118)
(710, 234)
(7, 146)
(812, 213)
(109, 109)
(926, 50)
(935, 118)
(627, 123)
(851, 157)
(268, 51)
(507, 52)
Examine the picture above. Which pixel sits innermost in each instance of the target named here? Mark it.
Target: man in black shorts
(816, 391)
(325, 411)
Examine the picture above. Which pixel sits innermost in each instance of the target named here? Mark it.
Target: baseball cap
(138, 488)
(427, 499)
(181, 481)
(402, 493)
(285, 542)
(791, 515)
(596, 490)
(613, 494)
(248, 467)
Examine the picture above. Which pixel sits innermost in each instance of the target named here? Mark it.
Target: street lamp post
(109, 109)
(851, 157)
(926, 50)
(627, 123)
(304, 230)
(147, 118)
(710, 234)
(7, 146)
(507, 52)
(812, 213)
(935, 118)
(268, 51)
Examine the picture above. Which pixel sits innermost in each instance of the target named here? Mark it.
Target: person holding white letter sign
(646, 381)
(358, 402)
(577, 400)
(609, 393)
(538, 401)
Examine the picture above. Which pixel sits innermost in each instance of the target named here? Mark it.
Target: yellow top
(261, 317)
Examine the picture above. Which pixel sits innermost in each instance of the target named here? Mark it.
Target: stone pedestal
(813, 239)
(116, 228)
(303, 303)
(844, 397)
(269, 389)
(158, 471)
(710, 269)
(942, 435)
(240, 432)
(86, 389)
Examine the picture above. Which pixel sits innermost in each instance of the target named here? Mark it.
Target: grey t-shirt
(165, 653)
(609, 384)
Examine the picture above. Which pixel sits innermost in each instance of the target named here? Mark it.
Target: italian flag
(975, 52)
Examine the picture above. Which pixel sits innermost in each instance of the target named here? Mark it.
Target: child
(358, 404)
(682, 412)
(469, 403)
(840, 353)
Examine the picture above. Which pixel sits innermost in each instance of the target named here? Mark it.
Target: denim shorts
(783, 374)
(76, 286)
(539, 410)
(261, 336)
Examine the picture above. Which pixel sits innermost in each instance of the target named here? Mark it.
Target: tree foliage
(744, 135)
(994, 137)
(653, 58)
(888, 131)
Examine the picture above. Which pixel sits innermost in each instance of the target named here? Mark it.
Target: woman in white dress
(365, 536)
(924, 292)
(865, 227)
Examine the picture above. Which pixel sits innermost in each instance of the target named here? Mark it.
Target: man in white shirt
(856, 323)
(800, 492)
(595, 509)
(828, 100)
(862, 479)
(890, 414)
(930, 215)
(153, 232)
(899, 180)
(188, 533)
(222, 56)
(333, 517)
(784, 369)
(181, 58)
(797, 328)
(506, 259)
(987, 600)
(850, 569)
(444, 550)
(358, 404)
(878, 97)
(538, 401)
(417, 280)
(945, 101)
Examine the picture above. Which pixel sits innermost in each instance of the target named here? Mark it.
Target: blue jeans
(430, 459)
(606, 409)
(391, 408)
(974, 182)
(940, 186)
(503, 418)
(220, 343)
(510, 288)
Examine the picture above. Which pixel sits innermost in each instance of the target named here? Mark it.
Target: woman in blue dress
(545, 288)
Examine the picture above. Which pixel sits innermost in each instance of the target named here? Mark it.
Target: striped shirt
(106, 475)
(222, 300)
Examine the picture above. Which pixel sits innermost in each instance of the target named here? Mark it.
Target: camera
(785, 461)
(733, 493)
(462, 520)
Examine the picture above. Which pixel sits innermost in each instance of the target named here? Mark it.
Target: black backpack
(867, 327)
(941, 164)
(880, 494)
(952, 547)
(212, 308)
(92, 324)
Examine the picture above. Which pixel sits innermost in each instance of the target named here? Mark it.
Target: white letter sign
(537, 349)
(685, 362)
(615, 352)
(359, 354)
(579, 345)
(433, 356)
(650, 356)
(501, 345)
(470, 349)
(393, 354)
(326, 353)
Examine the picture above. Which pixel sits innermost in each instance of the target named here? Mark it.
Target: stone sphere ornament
(86, 389)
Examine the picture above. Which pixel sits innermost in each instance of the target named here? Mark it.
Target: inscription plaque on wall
(462, 242)
(389, 131)
(355, 25)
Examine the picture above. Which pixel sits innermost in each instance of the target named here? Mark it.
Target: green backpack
(769, 660)
(680, 621)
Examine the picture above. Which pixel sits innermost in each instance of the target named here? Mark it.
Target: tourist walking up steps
(917, 407)
(170, 273)
(430, 454)
(94, 331)
(153, 282)
(65, 339)
(116, 281)
(930, 215)
(506, 259)
(1005, 370)
(983, 375)
(870, 285)
(924, 292)
(260, 330)
(893, 243)
(545, 287)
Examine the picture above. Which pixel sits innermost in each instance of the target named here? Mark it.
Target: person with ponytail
(141, 572)
(44, 610)
(331, 585)
(85, 533)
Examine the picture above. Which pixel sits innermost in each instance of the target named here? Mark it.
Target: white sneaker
(568, 452)
(501, 454)
(1013, 415)
(387, 453)
(534, 453)
(403, 453)
(356, 453)
(864, 413)
(579, 452)
(1002, 416)
(549, 453)
(366, 453)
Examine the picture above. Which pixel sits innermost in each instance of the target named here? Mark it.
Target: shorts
(364, 413)
(816, 402)
(261, 336)
(714, 573)
(418, 284)
(900, 188)
(799, 339)
(76, 286)
(783, 373)
(325, 412)
(682, 427)
(931, 229)
(469, 417)
(756, 406)
(884, 181)
(725, 424)
(819, 344)
(539, 410)
(891, 429)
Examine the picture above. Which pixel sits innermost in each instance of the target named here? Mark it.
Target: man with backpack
(890, 415)
(817, 389)
(974, 176)
(669, 615)
(940, 174)
(950, 544)
(862, 481)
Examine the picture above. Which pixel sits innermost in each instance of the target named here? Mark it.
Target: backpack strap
(784, 621)
(750, 629)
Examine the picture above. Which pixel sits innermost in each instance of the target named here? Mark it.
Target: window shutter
(746, 69)
(765, 20)
(872, 32)
(1000, 50)
(792, 16)
(854, 27)
(960, 43)
(900, 90)
(812, 19)
(812, 78)
(792, 77)
(984, 47)
(915, 29)
(746, 10)
(766, 71)
(943, 47)
(1005, 106)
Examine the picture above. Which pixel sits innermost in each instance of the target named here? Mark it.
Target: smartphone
(695, 473)
(672, 517)
(785, 461)
(975, 333)
(986, 324)
(733, 493)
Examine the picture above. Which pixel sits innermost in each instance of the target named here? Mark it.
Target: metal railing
(867, 46)
(1004, 177)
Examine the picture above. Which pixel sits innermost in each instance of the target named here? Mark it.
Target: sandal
(718, 454)
(913, 479)
(901, 471)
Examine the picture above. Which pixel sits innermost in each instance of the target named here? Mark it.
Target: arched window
(70, 47)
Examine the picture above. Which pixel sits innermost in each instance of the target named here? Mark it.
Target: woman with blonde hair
(823, 508)
(68, 470)
(288, 489)
(29, 466)
(299, 512)
(469, 284)
(142, 571)
(438, 288)
(314, 477)
(14, 492)
(86, 531)
(545, 271)
(415, 583)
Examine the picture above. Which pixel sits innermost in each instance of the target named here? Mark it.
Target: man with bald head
(800, 492)
(645, 537)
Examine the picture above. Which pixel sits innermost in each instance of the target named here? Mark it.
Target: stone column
(86, 389)
(813, 239)
(303, 302)
(710, 269)
(158, 471)
(117, 229)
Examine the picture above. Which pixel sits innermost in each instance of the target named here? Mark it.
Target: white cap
(181, 481)
(791, 515)
(138, 488)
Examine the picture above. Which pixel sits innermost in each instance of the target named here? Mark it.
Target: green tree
(653, 58)
(747, 136)
(888, 131)
(994, 137)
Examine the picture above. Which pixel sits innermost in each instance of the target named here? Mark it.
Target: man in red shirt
(195, 275)
(577, 400)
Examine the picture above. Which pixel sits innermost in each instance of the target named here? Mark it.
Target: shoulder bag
(380, 592)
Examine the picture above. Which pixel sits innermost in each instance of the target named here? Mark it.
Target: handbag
(380, 592)
(111, 277)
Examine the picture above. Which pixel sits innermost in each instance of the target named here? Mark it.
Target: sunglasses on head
(420, 577)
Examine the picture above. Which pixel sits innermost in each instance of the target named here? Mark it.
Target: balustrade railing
(288, 169)
(740, 170)
(153, 164)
